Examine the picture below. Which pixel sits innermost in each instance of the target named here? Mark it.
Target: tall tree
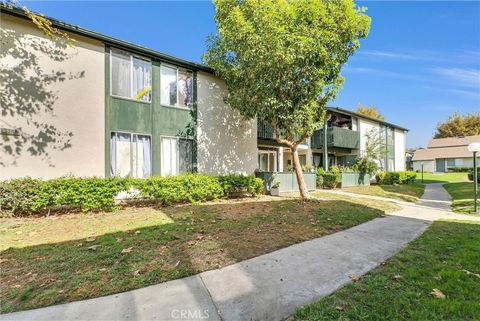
(281, 61)
(458, 125)
(370, 111)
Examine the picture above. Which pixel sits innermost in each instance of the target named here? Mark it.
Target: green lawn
(58, 259)
(409, 193)
(441, 177)
(446, 257)
(462, 196)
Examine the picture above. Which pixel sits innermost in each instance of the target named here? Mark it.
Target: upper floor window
(131, 77)
(176, 87)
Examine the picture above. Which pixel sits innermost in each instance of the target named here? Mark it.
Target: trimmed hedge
(328, 179)
(396, 178)
(461, 169)
(29, 196)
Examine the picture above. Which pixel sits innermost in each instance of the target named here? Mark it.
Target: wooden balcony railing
(265, 131)
(337, 137)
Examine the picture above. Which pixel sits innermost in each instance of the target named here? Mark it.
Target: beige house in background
(442, 154)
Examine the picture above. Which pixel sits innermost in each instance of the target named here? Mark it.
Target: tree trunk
(297, 168)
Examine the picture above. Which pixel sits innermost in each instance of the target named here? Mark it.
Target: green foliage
(281, 60)
(461, 169)
(365, 165)
(28, 195)
(236, 184)
(370, 111)
(395, 178)
(328, 179)
(191, 188)
(458, 125)
(470, 176)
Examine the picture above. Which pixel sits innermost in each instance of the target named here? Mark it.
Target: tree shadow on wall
(226, 141)
(27, 97)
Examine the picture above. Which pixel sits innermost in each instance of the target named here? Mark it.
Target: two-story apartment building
(107, 107)
(347, 133)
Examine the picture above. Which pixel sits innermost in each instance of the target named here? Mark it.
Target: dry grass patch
(78, 256)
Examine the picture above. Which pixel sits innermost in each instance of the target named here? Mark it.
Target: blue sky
(420, 63)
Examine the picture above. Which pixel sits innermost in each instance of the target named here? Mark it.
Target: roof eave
(346, 111)
(111, 41)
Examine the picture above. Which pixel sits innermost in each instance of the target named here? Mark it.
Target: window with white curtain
(131, 77)
(130, 155)
(267, 161)
(176, 87)
(176, 156)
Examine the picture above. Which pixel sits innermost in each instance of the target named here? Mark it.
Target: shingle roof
(441, 152)
(453, 141)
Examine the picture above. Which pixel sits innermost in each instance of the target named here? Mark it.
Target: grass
(409, 193)
(64, 258)
(445, 257)
(441, 178)
(462, 196)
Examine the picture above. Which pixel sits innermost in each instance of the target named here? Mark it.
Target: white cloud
(467, 93)
(388, 54)
(468, 77)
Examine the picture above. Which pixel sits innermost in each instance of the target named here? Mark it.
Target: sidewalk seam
(211, 298)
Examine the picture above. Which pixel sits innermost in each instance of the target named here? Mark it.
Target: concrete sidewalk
(268, 287)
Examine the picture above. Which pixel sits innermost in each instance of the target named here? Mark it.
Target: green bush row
(461, 169)
(28, 195)
(395, 178)
(328, 179)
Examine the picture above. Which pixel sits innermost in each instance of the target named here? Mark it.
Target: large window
(130, 155)
(131, 77)
(387, 144)
(176, 87)
(451, 162)
(176, 156)
(267, 160)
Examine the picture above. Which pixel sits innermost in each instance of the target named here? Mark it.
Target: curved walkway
(271, 286)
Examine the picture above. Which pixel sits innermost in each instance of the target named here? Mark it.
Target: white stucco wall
(77, 109)
(400, 149)
(226, 143)
(365, 127)
(428, 166)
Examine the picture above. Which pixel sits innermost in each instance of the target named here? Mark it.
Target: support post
(422, 172)
(280, 159)
(325, 143)
(475, 184)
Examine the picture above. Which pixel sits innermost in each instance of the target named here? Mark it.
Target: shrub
(328, 179)
(28, 195)
(238, 183)
(470, 176)
(395, 178)
(364, 165)
(461, 169)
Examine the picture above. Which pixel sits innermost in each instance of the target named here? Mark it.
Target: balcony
(337, 137)
(265, 131)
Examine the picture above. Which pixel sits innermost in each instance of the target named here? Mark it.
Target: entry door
(440, 165)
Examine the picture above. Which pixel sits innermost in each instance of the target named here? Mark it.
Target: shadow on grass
(201, 237)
